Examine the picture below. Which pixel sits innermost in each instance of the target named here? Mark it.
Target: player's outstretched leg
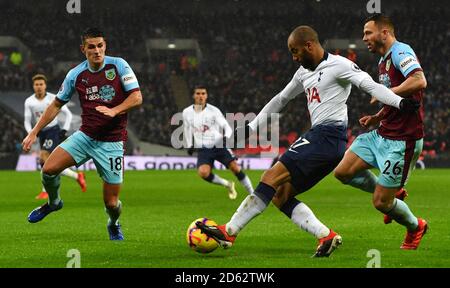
(51, 184)
(252, 206)
(401, 194)
(399, 211)
(113, 226)
(113, 207)
(58, 160)
(364, 180)
(304, 218)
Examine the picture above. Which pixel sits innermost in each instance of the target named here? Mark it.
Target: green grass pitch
(159, 206)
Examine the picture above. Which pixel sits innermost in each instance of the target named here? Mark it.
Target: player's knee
(204, 173)
(234, 167)
(343, 176)
(111, 204)
(49, 169)
(381, 204)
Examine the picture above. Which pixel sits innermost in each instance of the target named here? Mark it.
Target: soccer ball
(199, 241)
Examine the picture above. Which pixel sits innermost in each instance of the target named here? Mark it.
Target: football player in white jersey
(204, 130)
(326, 80)
(52, 134)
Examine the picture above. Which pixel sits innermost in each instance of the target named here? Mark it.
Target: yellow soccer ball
(199, 241)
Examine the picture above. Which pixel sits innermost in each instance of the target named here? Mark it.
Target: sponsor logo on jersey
(110, 74)
(107, 93)
(407, 62)
(92, 93)
(128, 79)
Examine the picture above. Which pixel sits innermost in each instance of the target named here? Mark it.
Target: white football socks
(305, 219)
(251, 207)
(247, 184)
(69, 173)
(220, 181)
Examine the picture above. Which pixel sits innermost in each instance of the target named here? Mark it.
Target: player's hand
(28, 142)
(106, 111)
(190, 151)
(409, 105)
(369, 120)
(62, 135)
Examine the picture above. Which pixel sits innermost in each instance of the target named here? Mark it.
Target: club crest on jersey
(388, 64)
(110, 74)
(107, 93)
(355, 67)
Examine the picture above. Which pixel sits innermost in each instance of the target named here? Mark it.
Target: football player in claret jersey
(395, 146)
(327, 81)
(52, 134)
(204, 129)
(107, 88)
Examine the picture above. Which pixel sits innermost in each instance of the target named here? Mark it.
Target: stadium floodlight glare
(171, 46)
(352, 46)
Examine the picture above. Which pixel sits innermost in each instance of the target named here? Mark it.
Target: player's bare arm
(411, 85)
(371, 120)
(133, 100)
(50, 113)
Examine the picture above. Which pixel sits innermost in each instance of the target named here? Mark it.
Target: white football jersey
(207, 127)
(326, 88)
(34, 108)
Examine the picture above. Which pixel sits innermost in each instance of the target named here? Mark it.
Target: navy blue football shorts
(314, 155)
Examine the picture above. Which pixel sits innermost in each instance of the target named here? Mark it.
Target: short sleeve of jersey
(350, 72)
(127, 76)
(404, 59)
(67, 87)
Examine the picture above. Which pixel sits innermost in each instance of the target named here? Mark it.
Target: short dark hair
(305, 33)
(381, 21)
(199, 86)
(91, 32)
(39, 77)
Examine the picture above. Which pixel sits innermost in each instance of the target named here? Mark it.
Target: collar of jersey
(193, 107)
(42, 97)
(324, 58)
(95, 71)
(390, 50)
